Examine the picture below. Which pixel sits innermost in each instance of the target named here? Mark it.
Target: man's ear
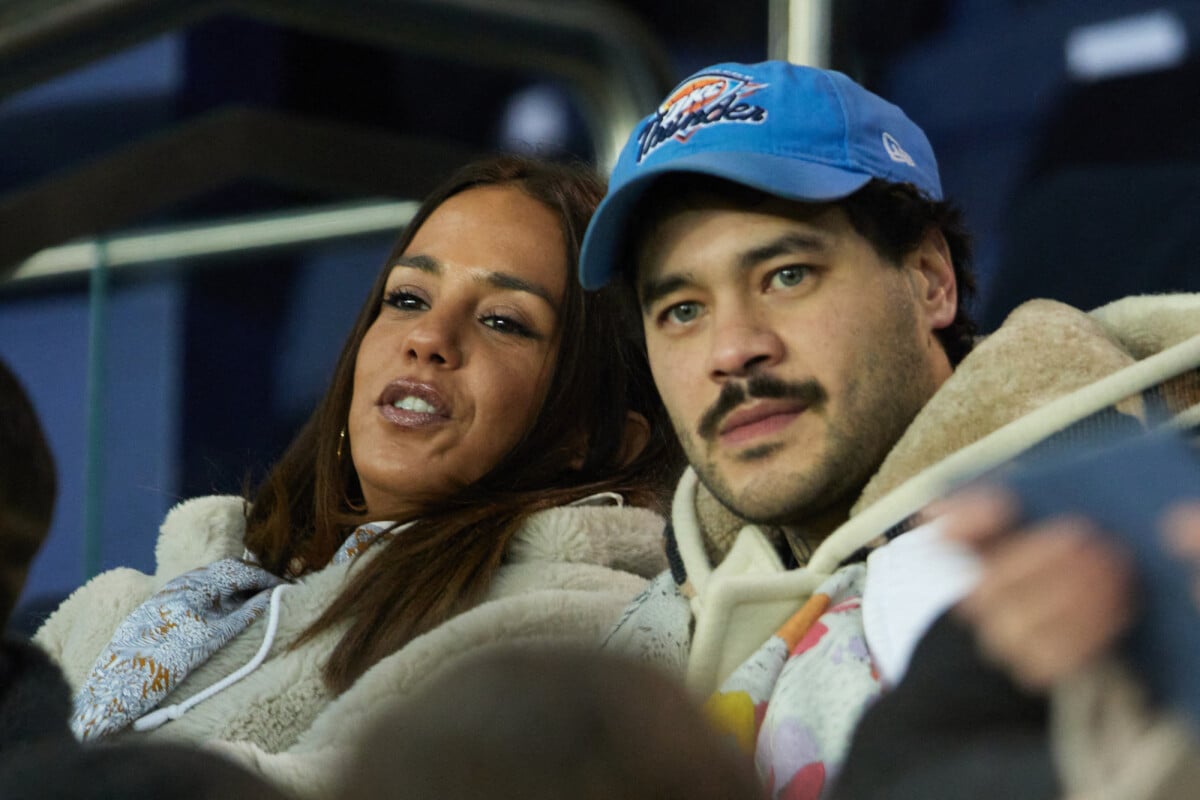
(633, 438)
(935, 286)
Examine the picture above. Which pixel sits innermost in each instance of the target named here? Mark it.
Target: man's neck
(804, 536)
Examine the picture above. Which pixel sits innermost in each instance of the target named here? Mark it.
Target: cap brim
(782, 176)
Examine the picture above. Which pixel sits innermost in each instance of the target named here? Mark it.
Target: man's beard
(856, 437)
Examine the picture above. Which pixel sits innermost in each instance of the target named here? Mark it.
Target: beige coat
(569, 573)
(1047, 367)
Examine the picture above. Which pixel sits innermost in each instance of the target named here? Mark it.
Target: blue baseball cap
(796, 132)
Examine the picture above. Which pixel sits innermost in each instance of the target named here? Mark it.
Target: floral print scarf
(179, 628)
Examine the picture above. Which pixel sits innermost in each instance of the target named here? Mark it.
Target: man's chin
(755, 498)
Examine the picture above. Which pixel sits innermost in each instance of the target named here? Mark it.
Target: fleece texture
(568, 575)
(1048, 366)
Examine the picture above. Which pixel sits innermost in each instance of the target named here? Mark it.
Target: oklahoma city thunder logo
(704, 100)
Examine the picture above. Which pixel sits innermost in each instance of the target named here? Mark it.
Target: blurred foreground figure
(1082, 627)
(1095, 602)
(550, 725)
(34, 700)
(145, 772)
(39, 758)
(27, 488)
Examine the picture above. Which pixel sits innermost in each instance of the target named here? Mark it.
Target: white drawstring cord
(156, 718)
(600, 499)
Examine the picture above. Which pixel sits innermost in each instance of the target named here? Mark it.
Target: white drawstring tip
(157, 718)
(163, 715)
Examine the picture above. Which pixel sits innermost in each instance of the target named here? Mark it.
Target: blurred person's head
(800, 277)
(479, 384)
(68, 771)
(27, 488)
(514, 725)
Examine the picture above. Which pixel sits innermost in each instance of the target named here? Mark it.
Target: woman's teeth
(414, 404)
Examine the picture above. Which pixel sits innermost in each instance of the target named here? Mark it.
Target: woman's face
(454, 369)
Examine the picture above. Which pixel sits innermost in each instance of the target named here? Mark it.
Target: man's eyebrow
(651, 290)
(787, 244)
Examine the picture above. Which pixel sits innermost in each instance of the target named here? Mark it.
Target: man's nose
(742, 342)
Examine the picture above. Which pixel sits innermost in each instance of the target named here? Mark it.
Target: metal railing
(612, 66)
(800, 31)
(606, 56)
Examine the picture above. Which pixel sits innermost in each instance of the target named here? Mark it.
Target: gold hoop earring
(341, 442)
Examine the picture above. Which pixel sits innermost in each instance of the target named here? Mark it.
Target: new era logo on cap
(895, 151)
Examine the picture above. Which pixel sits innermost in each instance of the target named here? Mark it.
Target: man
(801, 282)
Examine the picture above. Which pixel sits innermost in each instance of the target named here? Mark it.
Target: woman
(452, 491)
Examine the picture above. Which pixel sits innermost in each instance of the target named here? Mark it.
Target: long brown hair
(443, 564)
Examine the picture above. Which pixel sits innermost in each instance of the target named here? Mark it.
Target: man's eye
(786, 277)
(682, 313)
(405, 301)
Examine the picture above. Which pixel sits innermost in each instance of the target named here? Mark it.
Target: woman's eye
(507, 325)
(786, 277)
(682, 313)
(405, 301)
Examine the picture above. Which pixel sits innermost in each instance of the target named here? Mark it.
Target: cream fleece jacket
(569, 573)
(1047, 367)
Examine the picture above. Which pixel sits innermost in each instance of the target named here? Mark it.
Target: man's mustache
(757, 386)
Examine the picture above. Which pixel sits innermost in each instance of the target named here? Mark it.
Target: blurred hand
(1181, 532)
(1051, 597)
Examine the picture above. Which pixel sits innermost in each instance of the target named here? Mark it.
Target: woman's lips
(761, 419)
(412, 404)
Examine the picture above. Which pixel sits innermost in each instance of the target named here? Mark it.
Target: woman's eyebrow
(500, 280)
(503, 280)
(423, 263)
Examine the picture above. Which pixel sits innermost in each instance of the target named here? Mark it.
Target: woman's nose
(434, 339)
